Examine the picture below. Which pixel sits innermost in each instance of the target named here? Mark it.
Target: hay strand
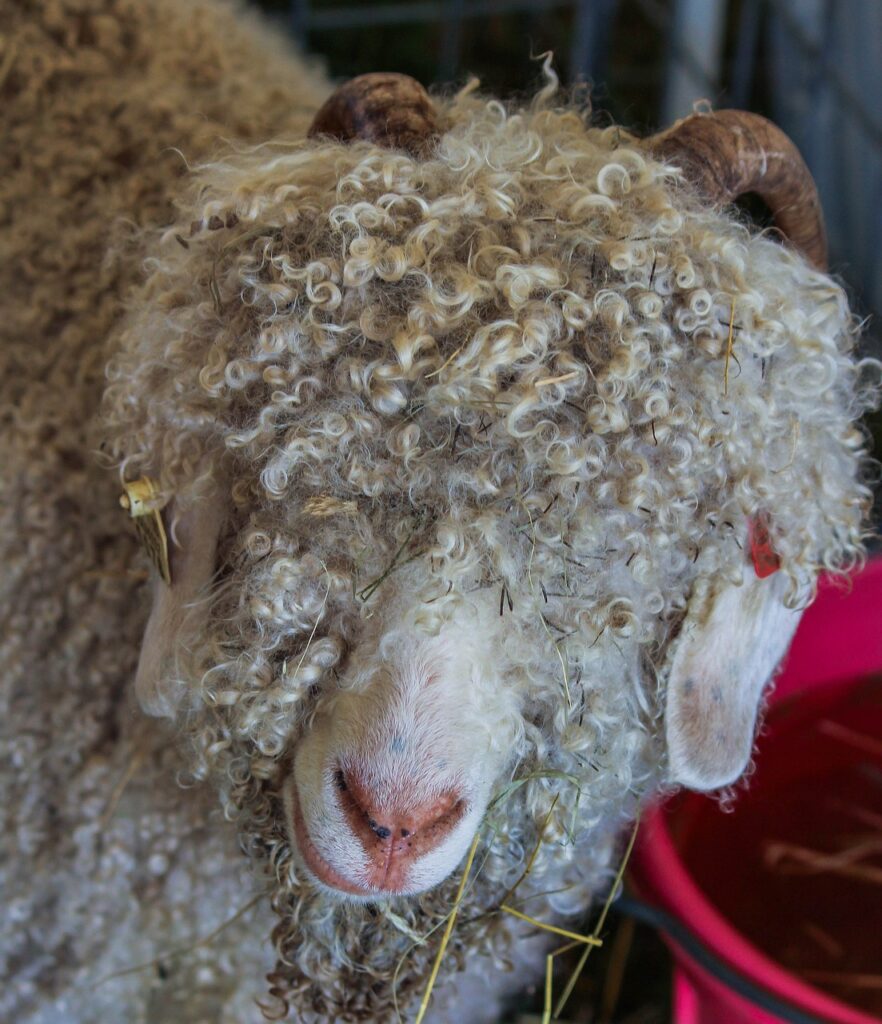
(794, 444)
(560, 657)
(730, 342)
(532, 858)
(615, 972)
(448, 930)
(323, 505)
(791, 859)
(862, 981)
(858, 740)
(562, 379)
(423, 939)
(182, 950)
(315, 626)
(601, 921)
(367, 592)
(120, 787)
(823, 939)
(549, 979)
(445, 364)
(588, 940)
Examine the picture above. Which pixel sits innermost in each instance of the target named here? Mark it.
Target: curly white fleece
(533, 361)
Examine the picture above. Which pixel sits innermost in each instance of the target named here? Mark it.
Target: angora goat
(488, 465)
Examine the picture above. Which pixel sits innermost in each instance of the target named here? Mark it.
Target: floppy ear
(193, 532)
(730, 644)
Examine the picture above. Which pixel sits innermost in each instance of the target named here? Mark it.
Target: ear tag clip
(147, 519)
(765, 558)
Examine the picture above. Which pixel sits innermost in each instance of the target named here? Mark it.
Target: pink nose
(396, 832)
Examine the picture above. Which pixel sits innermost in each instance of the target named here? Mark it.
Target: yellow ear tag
(147, 519)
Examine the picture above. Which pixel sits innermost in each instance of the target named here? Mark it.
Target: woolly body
(98, 102)
(410, 386)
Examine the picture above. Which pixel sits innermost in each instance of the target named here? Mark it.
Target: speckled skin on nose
(395, 832)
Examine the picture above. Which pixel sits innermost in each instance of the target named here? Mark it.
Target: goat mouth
(315, 863)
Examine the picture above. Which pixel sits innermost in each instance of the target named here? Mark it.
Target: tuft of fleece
(106, 863)
(531, 360)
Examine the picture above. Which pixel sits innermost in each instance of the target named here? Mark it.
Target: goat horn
(389, 109)
(731, 152)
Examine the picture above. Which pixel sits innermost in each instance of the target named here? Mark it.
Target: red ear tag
(764, 557)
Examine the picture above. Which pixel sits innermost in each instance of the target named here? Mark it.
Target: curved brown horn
(730, 152)
(389, 109)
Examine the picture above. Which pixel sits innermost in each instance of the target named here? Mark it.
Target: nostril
(405, 818)
(396, 829)
(356, 803)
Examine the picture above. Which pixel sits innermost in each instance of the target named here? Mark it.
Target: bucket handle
(753, 993)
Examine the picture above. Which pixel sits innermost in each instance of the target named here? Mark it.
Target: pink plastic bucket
(839, 641)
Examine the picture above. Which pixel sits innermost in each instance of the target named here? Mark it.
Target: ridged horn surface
(728, 153)
(389, 109)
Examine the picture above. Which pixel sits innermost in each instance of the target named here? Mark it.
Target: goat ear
(193, 534)
(730, 644)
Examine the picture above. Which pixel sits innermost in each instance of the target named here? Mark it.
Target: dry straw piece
(589, 942)
(562, 379)
(180, 951)
(448, 930)
(601, 920)
(322, 505)
(730, 342)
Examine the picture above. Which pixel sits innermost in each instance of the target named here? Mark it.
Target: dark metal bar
(818, 87)
(592, 28)
(299, 18)
(659, 15)
(420, 10)
(744, 60)
(451, 40)
(873, 275)
(854, 104)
